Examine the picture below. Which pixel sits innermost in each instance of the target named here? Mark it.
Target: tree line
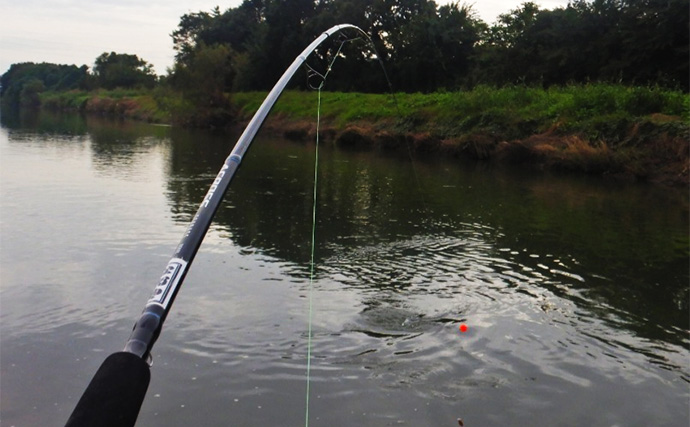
(21, 85)
(425, 48)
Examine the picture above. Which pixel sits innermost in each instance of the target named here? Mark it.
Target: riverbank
(632, 133)
(136, 104)
(611, 130)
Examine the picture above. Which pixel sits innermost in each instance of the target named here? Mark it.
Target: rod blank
(116, 393)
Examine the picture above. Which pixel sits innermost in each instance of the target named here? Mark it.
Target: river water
(574, 290)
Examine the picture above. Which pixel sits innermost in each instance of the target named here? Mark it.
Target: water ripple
(562, 329)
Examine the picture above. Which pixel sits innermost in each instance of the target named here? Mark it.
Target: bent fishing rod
(115, 394)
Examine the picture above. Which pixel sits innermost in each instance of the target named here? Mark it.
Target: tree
(655, 42)
(22, 83)
(501, 57)
(631, 41)
(433, 49)
(426, 47)
(512, 26)
(123, 70)
(29, 95)
(204, 81)
(188, 34)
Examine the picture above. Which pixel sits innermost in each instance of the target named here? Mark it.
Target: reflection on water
(575, 290)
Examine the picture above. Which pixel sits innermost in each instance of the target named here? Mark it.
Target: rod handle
(115, 394)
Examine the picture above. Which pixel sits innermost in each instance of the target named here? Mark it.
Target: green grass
(597, 111)
(594, 128)
(74, 100)
(145, 105)
(638, 132)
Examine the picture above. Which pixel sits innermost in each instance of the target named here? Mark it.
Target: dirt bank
(638, 156)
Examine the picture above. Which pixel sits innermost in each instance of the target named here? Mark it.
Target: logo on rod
(214, 186)
(168, 282)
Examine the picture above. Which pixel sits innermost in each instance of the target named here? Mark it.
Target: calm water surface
(575, 290)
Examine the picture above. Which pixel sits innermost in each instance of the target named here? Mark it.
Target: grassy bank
(630, 132)
(136, 104)
(595, 111)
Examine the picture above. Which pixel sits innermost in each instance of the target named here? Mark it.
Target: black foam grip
(115, 394)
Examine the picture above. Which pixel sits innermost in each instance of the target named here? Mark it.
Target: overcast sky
(77, 31)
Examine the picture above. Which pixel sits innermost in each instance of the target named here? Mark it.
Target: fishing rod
(115, 394)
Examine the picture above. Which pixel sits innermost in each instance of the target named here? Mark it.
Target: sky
(78, 31)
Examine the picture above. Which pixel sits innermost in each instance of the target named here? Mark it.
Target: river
(575, 290)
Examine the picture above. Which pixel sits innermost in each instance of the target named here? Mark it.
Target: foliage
(265, 36)
(139, 104)
(203, 79)
(113, 70)
(73, 100)
(629, 41)
(581, 54)
(22, 83)
(427, 48)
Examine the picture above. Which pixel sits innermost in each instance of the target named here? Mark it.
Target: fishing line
(311, 72)
(312, 77)
(313, 246)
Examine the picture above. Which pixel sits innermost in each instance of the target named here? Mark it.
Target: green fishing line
(313, 245)
(311, 73)
(313, 233)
